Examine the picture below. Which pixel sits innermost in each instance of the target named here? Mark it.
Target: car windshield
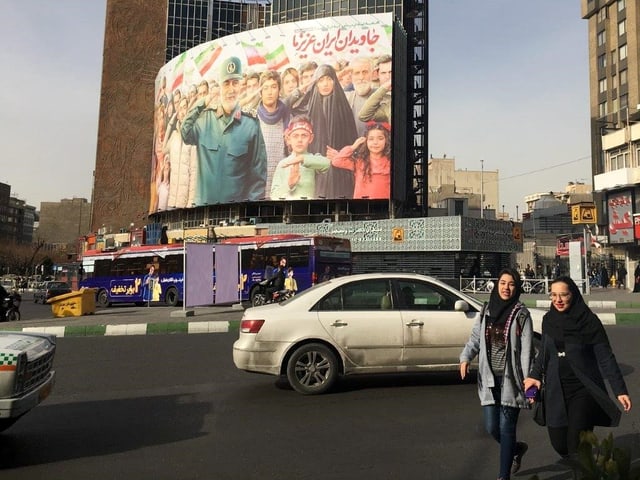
(57, 285)
(304, 292)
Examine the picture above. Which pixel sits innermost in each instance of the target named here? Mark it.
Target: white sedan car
(368, 323)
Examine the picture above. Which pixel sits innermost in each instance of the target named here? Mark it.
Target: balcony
(615, 179)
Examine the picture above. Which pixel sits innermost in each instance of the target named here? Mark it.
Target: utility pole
(481, 188)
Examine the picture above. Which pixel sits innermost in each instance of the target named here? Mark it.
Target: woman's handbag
(539, 414)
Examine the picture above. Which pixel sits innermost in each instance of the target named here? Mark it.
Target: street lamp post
(481, 188)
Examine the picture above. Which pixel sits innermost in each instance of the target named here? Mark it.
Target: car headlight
(21, 373)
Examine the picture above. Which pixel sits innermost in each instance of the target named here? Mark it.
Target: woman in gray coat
(502, 338)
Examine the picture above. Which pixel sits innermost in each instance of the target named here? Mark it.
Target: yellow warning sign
(581, 214)
(398, 234)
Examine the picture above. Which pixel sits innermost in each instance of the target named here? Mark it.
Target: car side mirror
(461, 306)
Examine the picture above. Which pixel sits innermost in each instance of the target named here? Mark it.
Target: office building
(134, 52)
(614, 78)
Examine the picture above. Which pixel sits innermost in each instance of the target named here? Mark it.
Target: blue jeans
(501, 424)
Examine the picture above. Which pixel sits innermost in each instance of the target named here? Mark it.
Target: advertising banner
(620, 209)
(295, 111)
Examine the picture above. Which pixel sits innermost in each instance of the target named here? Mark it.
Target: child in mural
(369, 158)
(295, 175)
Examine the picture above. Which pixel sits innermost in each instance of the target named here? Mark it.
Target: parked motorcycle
(259, 294)
(11, 307)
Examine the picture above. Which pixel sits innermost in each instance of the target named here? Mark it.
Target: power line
(547, 168)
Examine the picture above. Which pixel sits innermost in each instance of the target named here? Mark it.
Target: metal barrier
(485, 285)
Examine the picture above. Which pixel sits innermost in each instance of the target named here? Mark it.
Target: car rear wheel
(171, 298)
(13, 316)
(102, 300)
(312, 369)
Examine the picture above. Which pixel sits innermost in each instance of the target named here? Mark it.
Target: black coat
(591, 363)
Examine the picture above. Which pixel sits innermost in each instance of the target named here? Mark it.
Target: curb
(131, 329)
(607, 318)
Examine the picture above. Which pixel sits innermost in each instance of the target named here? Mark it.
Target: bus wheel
(102, 300)
(171, 298)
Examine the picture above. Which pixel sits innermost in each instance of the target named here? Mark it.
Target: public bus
(118, 275)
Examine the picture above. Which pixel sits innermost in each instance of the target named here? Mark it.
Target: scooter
(259, 294)
(11, 307)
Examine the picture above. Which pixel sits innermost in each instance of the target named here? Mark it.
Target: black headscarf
(334, 126)
(500, 309)
(577, 324)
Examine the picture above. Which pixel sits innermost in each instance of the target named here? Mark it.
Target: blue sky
(508, 85)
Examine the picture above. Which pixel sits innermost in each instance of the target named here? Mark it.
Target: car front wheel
(312, 369)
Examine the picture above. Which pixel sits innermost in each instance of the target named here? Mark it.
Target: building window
(602, 14)
(623, 77)
(602, 61)
(622, 52)
(622, 27)
(621, 5)
(602, 109)
(602, 85)
(601, 38)
(624, 101)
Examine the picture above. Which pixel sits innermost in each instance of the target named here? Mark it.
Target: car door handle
(415, 323)
(339, 323)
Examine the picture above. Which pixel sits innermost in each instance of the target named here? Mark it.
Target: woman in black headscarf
(333, 125)
(502, 338)
(577, 358)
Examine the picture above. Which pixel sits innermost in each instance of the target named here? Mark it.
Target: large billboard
(296, 111)
(620, 211)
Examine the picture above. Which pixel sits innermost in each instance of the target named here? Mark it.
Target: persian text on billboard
(620, 210)
(293, 111)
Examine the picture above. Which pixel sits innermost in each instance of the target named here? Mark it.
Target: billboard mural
(290, 112)
(620, 210)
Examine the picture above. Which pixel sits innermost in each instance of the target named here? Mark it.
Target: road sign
(583, 214)
(398, 234)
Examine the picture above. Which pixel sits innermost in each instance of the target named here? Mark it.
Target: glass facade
(192, 22)
(292, 10)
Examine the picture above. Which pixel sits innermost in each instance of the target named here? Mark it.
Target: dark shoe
(521, 449)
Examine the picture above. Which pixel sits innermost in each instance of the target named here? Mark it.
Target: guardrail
(485, 285)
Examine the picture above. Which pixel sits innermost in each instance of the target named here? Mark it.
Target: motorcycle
(259, 294)
(11, 307)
